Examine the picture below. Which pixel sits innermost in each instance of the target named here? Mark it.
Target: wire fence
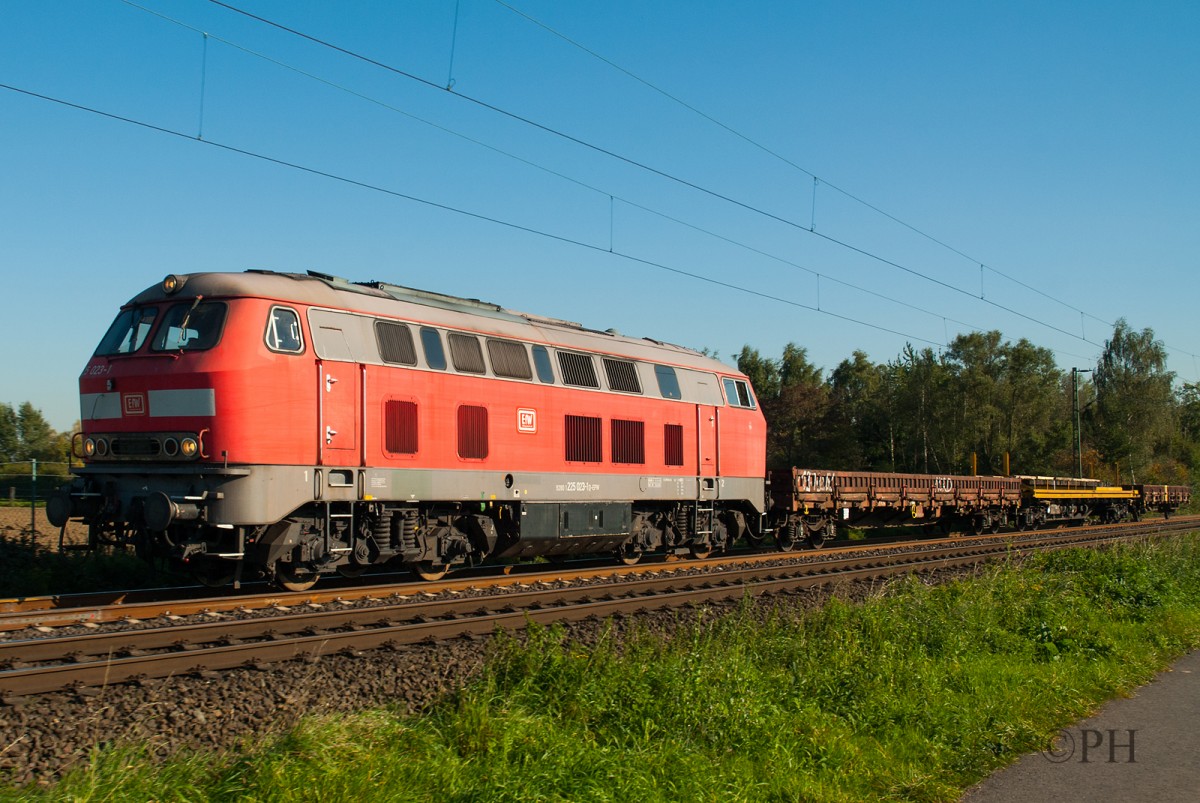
(21, 484)
(24, 488)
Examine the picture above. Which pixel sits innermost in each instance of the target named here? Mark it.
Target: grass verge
(915, 693)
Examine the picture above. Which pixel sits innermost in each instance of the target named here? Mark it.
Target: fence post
(33, 502)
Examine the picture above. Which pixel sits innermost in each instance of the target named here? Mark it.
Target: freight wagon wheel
(287, 576)
(785, 537)
(428, 570)
(818, 531)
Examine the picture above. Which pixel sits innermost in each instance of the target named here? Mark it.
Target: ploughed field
(14, 526)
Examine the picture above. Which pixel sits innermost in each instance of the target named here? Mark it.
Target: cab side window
(737, 393)
(283, 331)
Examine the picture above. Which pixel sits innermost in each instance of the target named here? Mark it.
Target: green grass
(914, 694)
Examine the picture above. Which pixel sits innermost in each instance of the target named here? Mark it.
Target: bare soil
(15, 526)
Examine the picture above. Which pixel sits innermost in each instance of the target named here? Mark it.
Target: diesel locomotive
(293, 426)
(299, 425)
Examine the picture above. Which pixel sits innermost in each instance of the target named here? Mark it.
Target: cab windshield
(191, 326)
(128, 332)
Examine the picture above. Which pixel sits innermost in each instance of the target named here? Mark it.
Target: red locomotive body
(300, 425)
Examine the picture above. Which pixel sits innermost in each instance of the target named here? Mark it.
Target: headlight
(89, 447)
(170, 447)
(189, 447)
(101, 447)
(172, 283)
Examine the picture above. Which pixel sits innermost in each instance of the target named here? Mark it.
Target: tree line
(25, 436)
(987, 399)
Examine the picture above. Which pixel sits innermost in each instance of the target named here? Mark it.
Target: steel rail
(373, 628)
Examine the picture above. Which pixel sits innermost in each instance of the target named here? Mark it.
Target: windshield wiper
(183, 338)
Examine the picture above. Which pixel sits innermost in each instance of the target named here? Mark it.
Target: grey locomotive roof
(422, 306)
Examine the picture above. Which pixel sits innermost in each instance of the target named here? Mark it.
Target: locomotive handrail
(193, 469)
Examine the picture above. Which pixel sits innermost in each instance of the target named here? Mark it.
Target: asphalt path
(1142, 748)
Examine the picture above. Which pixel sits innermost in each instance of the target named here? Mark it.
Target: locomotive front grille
(139, 446)
(135, 447)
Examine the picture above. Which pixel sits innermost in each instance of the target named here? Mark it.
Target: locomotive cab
(164, 399)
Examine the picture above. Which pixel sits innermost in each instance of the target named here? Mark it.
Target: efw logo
(134, 403)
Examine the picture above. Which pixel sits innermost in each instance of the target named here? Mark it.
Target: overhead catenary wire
(467, 213)
(668, 176)
(203, 83)
(817, 179)
(453, 44)
(780, 157)
(867, 253)
(602, 192)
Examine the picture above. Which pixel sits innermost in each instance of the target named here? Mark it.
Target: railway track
(117, 606)
(309, 627)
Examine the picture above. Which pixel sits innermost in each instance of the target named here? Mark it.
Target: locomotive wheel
(287, 576)
(430, 571)
(629, 555)
(360, 560)
(700, 551)
(212, 572)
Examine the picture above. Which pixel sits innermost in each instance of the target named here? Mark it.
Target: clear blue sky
(1055, 143)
